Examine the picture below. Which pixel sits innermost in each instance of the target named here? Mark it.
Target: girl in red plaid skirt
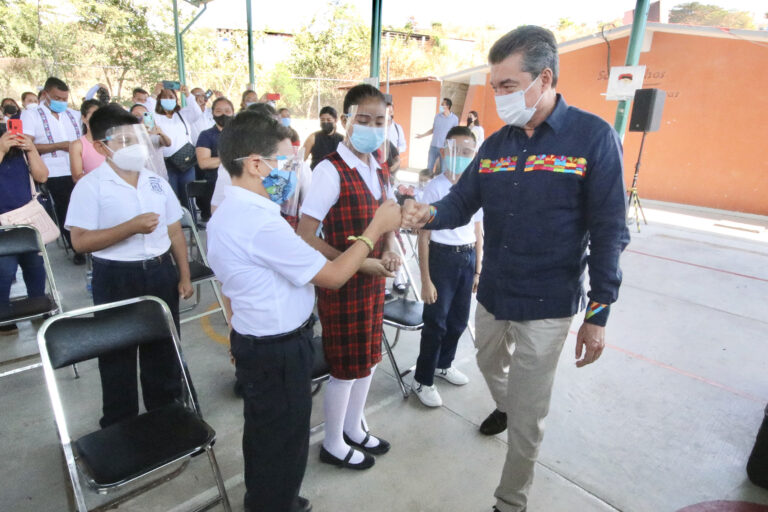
(347, 188)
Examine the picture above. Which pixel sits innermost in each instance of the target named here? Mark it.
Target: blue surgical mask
(367, 139)
(280, 184)
(57, 106)
(286, 121)
(168, 104)
(456, 164)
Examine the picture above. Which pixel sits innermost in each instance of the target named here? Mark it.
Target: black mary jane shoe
(379, 449)
(329, 458)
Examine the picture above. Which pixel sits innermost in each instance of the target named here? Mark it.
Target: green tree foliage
(695, 13)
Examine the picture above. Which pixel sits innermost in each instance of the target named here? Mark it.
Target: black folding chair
(199, 270)
(195, 190)
(141, 450)
(15, 240)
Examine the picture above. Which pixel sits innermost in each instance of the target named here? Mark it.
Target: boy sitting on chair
(449, 260)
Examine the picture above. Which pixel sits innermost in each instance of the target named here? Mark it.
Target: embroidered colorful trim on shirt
(557, 163)
(593, 309)
(502, 164)
(47, 127)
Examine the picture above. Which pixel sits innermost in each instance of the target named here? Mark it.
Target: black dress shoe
(379, 449)
(328, 458)
(301, 505)
(495, 423)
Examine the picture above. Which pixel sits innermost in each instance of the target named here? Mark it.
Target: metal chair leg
(219, 480)
(74, 368)
(398, 377)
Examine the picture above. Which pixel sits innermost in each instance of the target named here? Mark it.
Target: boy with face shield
(268, 272)
(347, 188)
(129, 218)
(449, 261)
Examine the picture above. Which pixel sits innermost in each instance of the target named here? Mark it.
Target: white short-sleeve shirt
(102, 200)
(437, 189)
(264, 267)
(326, 185)
(66, 128)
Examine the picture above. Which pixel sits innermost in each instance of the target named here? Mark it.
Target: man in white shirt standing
(53, 126)
(449, 260)
(396, 134)
(205, 121)
(444, 121)
(268, 273)
(129, 218)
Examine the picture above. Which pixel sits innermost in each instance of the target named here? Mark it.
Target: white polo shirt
(66, 128)
(180, 132)
(102, 199)
(326, 184)
(437, 189)
(203, 122)
(264, 267)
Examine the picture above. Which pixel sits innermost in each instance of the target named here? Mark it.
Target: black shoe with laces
(495, 423)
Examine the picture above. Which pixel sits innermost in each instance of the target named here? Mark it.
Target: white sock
(354, 420)
(335, 403)
(400, 277)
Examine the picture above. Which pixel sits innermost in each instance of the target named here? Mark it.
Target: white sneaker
(452, 375)
(427, 394)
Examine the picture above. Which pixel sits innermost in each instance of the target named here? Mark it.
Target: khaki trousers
(518, 361)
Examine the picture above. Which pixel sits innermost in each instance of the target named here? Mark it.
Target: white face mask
(31, 106)
(130, 158)
(511, 107)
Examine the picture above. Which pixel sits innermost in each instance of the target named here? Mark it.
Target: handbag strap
(184, 123)
(32, 188)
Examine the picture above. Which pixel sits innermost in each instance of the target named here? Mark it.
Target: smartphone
(170, 84)
(273, 96)
(149, 120)
(208, 94)
(14, 127)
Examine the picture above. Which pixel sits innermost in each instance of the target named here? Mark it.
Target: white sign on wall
(624, 81)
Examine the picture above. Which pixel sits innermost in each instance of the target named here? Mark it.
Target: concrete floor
(665, 420)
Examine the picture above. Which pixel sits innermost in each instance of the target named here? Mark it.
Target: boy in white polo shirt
(129, 218)
(53, 126)
(268, 273)
(449, 260)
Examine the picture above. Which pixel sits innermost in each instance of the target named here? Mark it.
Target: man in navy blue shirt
(551, 186)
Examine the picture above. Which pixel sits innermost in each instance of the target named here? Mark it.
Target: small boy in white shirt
(449, 260)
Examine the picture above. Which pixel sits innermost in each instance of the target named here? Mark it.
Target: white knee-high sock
(335, 404)
(354, 420)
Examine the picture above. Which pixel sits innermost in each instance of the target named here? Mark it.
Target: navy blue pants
(276, 380)
(452, 274)
(34, 276)
(160, 375)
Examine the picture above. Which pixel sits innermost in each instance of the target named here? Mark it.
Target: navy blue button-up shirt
(546, 199)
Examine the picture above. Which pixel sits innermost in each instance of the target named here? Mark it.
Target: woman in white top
(473, 121)
(176, 123)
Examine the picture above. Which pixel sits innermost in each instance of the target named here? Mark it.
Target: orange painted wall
(401, 102)
(712, 147)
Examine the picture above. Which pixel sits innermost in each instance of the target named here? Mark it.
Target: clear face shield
(457, 154)
(130, 148)
(367, 126)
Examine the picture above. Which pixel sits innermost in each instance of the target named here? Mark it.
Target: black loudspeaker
(646, 110)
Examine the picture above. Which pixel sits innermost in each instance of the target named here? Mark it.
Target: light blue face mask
(456, 164)
(57, 106)
(286, 121)
(168, 104)
(367, 139)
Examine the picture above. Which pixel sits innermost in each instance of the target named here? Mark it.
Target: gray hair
(536, 44)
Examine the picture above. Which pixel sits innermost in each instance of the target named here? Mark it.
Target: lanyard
(47, 127)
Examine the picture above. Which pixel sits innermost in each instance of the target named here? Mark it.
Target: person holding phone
(206, 118)
(177, 123)
(19, 159)
(83, 158)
